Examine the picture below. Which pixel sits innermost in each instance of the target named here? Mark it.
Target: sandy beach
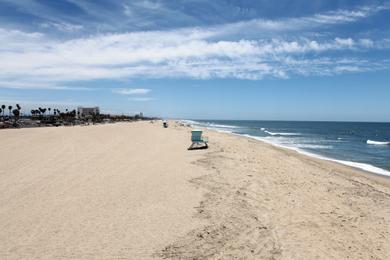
(133, 191)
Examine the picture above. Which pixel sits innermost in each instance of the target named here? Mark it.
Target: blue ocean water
(361, 145)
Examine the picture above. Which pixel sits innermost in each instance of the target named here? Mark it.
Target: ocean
(361, 145)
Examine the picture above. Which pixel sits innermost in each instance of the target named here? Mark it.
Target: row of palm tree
(56, 112)
(15, 112)
(41, 111)
(54, 116)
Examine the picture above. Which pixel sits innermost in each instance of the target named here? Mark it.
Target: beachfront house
(83, 112)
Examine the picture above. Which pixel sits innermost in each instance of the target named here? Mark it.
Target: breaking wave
(377, 142)
(280, 134)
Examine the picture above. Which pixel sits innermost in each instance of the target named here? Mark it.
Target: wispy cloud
(28, 104)
(131, 91)
(135, 93)
(26, 84)
(62, 26)
(201, 53)
(263, 26)
(142, 99)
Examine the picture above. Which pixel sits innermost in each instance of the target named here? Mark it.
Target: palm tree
(42, 110)
(3, 109)
(49, 110)
(16, 113)
(18, 107)
(37, 113)
(10, 108)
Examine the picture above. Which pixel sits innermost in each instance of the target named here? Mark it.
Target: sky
(199, 59)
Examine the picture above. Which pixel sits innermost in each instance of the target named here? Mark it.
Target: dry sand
(133, 191)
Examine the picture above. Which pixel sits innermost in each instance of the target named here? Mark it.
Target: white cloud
(27, 104)
(174, 55)
(368, 43)
(345, 42)
(127, 10)
(33, 59)
(25, 84)
(142, 99)
(148, 4)
(64, 27)
(131, 91)
(261, 26)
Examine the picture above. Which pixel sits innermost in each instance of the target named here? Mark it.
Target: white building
(87, 111)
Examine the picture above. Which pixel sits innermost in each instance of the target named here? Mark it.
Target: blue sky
(221, 59)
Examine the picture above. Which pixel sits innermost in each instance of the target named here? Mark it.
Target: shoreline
(264, 201)
(376, 170)
(311, 156)
(358, 171)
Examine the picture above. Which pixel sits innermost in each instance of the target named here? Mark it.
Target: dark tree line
(10, 117)
(13, 113)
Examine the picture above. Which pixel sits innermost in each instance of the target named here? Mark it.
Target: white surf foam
(207, 124)
(363, 166)
(221, 126)
(188, 122)
(224, 130)
(313, 146)
(377, 142)
(280, 134)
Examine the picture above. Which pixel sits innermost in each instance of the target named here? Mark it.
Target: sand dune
(133, 191)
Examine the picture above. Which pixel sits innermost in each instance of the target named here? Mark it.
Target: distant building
(141, 115)
(87, 111)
